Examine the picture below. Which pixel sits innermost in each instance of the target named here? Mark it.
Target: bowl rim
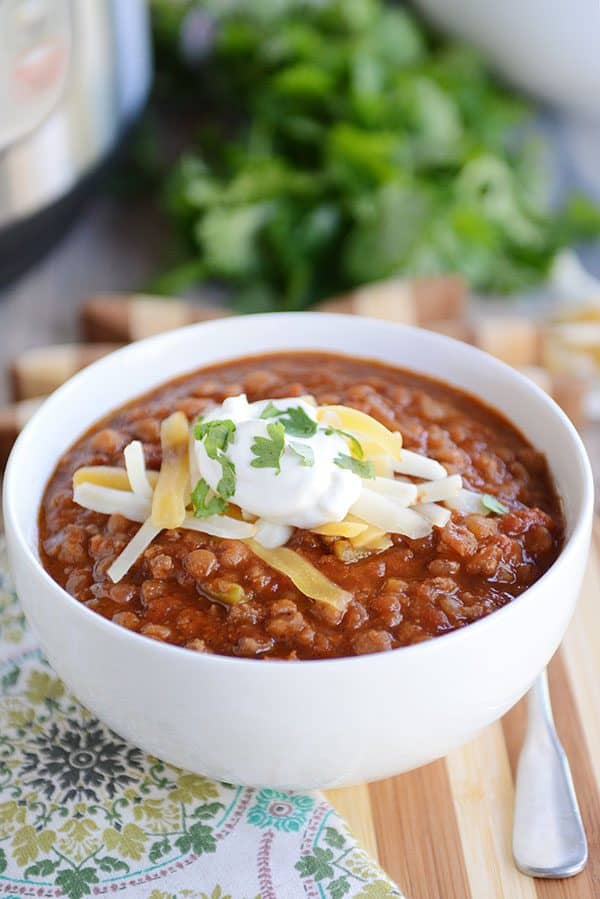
(580, 530)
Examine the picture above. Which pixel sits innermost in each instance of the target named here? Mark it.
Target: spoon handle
(548, 835)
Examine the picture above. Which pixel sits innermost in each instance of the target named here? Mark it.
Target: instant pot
(73, 76)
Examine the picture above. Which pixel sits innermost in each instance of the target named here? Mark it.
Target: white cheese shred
(220, 526)
(135, 465)
(442, 489)
(437, 515)
(133, 550)
(401, 492)
(387, 515)
(418, 466)
(108, 501)
(467, 502)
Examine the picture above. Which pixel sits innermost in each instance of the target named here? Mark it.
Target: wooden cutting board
(444, 831)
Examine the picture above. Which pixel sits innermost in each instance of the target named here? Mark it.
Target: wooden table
(444, 831)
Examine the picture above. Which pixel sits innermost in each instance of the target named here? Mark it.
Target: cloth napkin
(83, 813)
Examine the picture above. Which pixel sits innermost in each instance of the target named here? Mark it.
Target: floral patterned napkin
(83, 813)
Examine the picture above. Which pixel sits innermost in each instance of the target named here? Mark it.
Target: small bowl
(307, 723)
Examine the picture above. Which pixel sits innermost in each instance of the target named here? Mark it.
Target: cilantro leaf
(294, 419)
(226, 486)
(355, 445)
(270, 411)
(362, 469)
(205, 505)
(216, 435)
(304, 452)
(298, 423)
(493, 504)
(268, 450)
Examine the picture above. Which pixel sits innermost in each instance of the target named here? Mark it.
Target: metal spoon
(548, 835)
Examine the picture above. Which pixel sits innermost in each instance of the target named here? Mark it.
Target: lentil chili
(415, 590)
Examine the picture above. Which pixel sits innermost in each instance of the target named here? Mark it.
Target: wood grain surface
(444, 831)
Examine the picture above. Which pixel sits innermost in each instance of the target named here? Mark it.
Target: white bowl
(306, 723)
(550, 49)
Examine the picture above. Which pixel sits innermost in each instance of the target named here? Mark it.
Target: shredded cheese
(308, 579)
(379, 543)
(107, 476)
(437, 515)
(418, 466)
(467, 502)
(133, 551)
(387, 515)
(401, 492)
(135, 465)
(361, 424)
(368, 537)
(220, 526)
(344, 528)
(108, 501)
(382, 463)
(170, 493)
(442, 489)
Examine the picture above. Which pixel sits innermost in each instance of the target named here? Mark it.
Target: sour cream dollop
(300, 495)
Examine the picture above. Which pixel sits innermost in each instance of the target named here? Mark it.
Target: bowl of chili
(362, 659)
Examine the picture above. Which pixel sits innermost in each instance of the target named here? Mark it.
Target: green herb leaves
(271, 411)
(332, 132)
(204, 504)
(355, 445)
(362, 469)
(268, 450)
(492, 504)
(226, 486)
(295, 420)
(216, 435)
(215, 503)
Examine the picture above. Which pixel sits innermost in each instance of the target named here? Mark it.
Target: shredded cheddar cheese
(169, 500)
(308, 579)
(107, 476)
(344, 528)
(362, 424)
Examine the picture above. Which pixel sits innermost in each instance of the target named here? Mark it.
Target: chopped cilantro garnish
(270, 411)
(216, 435)
(294, 419)
(297, 423)
(304, 452)
(226, 486)
(355, 445)
(205, 505)
(268, 450)
(362, 469)
(492, 504)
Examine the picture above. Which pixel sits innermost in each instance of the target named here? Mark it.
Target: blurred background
(255, 155)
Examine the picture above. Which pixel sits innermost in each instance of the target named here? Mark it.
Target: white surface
(289, 724)
(550, 49)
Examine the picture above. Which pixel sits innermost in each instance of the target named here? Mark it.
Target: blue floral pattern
(283, 811)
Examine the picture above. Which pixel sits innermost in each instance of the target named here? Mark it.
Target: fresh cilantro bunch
(339, 143)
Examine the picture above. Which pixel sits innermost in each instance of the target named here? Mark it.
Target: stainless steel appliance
(73, 76)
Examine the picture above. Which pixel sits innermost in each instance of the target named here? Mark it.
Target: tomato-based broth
(477, 550)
